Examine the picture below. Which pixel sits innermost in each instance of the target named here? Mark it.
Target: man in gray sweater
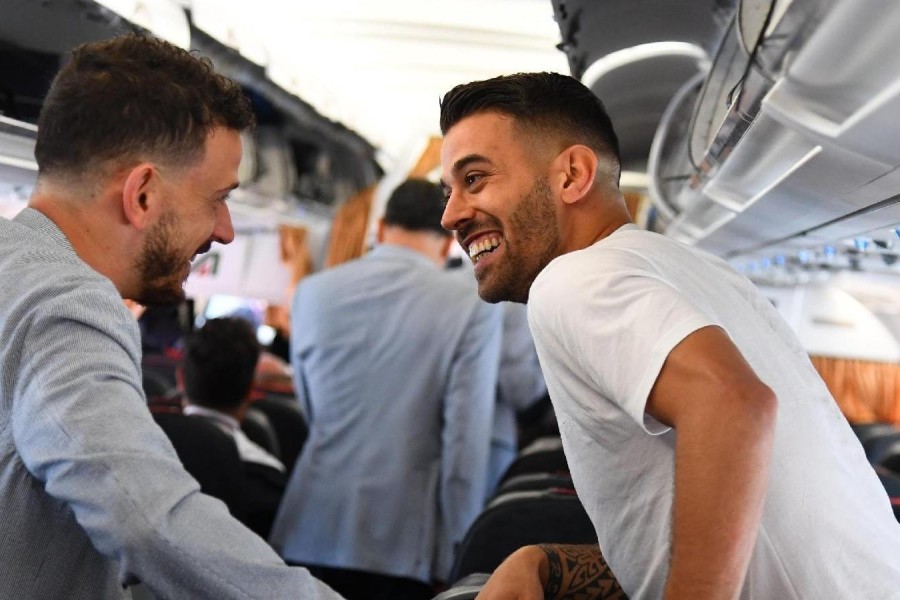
(138, 147)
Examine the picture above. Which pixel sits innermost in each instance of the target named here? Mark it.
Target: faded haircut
(416, 205)
(540, 104)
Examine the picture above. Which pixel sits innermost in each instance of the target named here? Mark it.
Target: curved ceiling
(651, 47)
(381, 67)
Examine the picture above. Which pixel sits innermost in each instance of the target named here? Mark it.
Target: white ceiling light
(626, 56)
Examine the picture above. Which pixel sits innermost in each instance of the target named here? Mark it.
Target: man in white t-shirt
(708, 453)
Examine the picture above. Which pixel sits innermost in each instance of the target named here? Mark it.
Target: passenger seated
(139, 143)
(217, 376)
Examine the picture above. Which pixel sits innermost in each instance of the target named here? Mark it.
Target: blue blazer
(395, 364)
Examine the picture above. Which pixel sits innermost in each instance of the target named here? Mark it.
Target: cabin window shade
(866, 391)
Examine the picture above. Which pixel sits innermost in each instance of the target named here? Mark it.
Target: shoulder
(568, 277)
(341, 275)
(52, 278)
(84, 307)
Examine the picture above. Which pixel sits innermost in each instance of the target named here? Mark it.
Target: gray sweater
(92, 494)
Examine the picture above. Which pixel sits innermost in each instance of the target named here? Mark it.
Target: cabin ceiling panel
(380, 67)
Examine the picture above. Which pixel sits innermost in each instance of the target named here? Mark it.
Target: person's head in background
(219, 365)
(138, 147)
(530, 170)
(412, 218)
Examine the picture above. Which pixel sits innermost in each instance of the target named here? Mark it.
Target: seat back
(162, 366)
(544, 455)
(209, 454)
(891, 483)
(257, 426)
(890, 458)
(877, 446)
(156, 386)
(536, 482)
(465, 589)
(519, 519)
(867, 431)
(288, 423)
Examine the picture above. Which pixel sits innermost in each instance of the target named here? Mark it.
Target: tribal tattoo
(579, 573)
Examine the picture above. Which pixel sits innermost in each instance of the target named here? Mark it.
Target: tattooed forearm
(579, 573)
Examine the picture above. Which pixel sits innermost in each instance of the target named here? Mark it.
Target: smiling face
(500, 204)
(194, 216)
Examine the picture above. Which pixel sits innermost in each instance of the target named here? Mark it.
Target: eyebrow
(464, 162)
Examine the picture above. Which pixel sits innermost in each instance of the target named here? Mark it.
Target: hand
(520, 577)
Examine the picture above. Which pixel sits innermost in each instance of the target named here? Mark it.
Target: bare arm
(579, 572)
(553, 572)
(724, 418)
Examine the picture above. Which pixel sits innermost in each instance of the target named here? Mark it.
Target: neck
(90, 229)
(597, 220)
(425, 243)
(608, 229)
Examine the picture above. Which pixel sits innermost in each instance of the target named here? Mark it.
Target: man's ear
(138, 193)
(577, 169)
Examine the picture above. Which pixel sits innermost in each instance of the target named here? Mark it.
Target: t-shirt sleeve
(614, 324)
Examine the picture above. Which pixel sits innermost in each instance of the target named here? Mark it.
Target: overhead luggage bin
(17, 164)
(793, 136)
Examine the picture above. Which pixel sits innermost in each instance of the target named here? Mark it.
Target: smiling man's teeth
(477, 249)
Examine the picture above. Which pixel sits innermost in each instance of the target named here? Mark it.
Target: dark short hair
(130, 98)
(545, 103)
(219, 363)
(416, 205)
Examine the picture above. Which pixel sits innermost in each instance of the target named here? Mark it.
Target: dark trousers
(361, 585)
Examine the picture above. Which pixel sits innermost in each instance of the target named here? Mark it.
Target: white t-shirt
(604, 319)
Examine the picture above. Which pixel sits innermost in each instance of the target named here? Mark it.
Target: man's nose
(457, 212)
(224, 230)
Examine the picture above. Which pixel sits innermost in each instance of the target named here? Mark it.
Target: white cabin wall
(249, 267)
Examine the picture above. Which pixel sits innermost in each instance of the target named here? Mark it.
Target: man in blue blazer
(395, 364)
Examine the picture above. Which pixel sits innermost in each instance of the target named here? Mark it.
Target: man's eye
(472, 179)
